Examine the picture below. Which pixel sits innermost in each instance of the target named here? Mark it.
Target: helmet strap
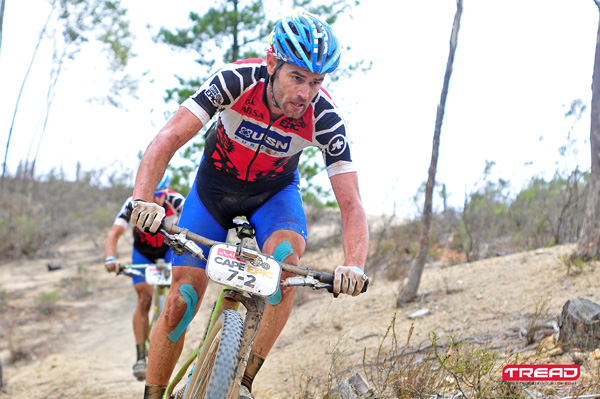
(272, 81)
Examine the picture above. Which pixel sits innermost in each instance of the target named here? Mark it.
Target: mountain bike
(249, 278)
(158, 274)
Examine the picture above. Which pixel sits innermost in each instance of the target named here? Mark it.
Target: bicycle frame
(183, 241)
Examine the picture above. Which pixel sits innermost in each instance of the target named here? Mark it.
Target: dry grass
(447, 368)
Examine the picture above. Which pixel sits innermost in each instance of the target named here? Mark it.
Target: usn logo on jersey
(252, 135)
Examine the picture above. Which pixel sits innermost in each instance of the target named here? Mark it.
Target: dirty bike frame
(220, 361)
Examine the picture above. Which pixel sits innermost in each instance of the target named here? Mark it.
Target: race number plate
(259, 275)
(156, 276)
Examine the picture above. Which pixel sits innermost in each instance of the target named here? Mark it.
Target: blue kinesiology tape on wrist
(282, 251)
(191, 299)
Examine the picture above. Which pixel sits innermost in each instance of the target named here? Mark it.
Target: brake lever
(180, 244)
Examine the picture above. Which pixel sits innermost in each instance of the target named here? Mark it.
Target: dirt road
(85, 349)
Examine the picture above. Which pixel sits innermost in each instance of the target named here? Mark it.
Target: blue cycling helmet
(304, 40)
(164, 182)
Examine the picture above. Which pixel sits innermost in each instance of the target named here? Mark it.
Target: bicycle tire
(215, 368)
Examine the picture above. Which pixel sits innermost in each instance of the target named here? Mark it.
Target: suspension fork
(255, 307)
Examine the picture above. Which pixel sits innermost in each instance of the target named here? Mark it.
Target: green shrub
(46, 302)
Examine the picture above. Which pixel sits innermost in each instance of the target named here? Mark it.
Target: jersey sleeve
(222, 89)
(176, 200)
(123, 217)
(332, 137)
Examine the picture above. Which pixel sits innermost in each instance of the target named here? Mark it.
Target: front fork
(255, 307)
(230, 299)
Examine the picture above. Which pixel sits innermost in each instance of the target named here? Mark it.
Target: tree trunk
(589, 241)
(1, 19)
(580, 325)
(409, 291)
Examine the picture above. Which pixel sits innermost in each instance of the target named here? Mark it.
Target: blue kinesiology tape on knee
(191, 299)
(282, 251)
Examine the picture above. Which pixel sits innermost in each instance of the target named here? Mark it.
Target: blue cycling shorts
(138, 259)
(281, 211)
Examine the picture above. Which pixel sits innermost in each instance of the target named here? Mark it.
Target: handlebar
(129, 271)
(179, 240)
(182, 241)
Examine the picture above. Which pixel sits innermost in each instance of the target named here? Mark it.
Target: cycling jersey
(152, 246)
(247, 145)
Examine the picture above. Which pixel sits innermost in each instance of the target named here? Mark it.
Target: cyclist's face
(294, 88)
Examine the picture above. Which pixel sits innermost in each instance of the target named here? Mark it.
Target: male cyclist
(268, 112)
(147, 249)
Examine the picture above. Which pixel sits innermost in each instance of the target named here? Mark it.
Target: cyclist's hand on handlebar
(111, 265)
(146, 216)
(348, 280)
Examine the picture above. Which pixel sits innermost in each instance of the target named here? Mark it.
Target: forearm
(110, 249)
(110, 246)
(355, 237)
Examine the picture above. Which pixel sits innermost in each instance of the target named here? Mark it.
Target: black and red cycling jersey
(149, 245)
(247, 145)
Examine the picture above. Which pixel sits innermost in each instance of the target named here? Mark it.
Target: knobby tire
(215, 369)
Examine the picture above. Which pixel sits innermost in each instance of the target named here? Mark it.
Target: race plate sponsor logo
(155, 276)
(541, 372)
(250, 275)
(228, 258)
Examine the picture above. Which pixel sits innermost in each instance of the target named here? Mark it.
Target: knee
(144, 302)
(181, 311)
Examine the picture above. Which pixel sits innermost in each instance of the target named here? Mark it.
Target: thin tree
(1, 19)
(589, 240)
(71, 24)
(409, 291)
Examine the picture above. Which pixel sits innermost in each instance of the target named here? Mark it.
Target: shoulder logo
(337, 145)
(214, 95)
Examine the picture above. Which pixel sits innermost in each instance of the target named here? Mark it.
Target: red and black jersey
(153, 246)
(245, 144)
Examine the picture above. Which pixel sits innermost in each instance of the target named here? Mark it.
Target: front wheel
(215, 368)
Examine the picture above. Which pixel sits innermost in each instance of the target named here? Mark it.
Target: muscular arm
(178, 131)
(110, 247)
(355, 232)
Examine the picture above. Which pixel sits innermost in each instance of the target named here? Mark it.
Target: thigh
(138, 259)
(196, 218)
(281, 212)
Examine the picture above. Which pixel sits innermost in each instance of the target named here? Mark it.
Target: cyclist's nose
(303, 92)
